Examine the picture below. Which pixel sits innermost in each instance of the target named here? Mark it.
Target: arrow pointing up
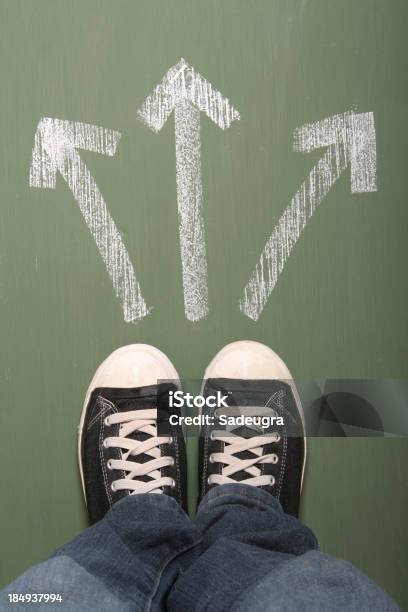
(185, 91)
(350, 140)
(54, 150)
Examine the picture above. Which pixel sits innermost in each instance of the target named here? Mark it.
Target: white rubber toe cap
(247, 360)
(135, 365)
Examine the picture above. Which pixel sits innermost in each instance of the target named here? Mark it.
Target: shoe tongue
(128, 404)
(275, 396)
(245, 432)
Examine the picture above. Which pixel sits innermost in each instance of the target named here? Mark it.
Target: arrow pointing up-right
(353, 136)
(350, 140)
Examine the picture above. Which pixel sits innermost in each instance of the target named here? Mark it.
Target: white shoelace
(233, 445)
(143, 421)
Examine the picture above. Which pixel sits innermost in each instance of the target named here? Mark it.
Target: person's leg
(125, 562)
(130, 557)
(255, 554)
(256, 557)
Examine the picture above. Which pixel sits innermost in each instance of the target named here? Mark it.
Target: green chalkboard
(274, 87)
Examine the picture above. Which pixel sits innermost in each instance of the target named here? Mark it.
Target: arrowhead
(356, 132)
(56, 139)
(181, 81)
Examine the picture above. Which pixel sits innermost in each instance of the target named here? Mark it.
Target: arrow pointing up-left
(54, 150)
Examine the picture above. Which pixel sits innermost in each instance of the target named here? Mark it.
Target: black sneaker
(118, 448)
(259, 438)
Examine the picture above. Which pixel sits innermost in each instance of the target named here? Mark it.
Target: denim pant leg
(126, 562)
(255, 557)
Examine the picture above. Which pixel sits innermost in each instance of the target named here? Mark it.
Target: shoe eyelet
(209, 481)
(170, 440)
(173, 461)
(275, 458)
(276, 436)
(113, 486)
(173, 483)
(272, 481)
(211, 458)
(105, 443)
(109, 464)
(107, 421)
(212, 436)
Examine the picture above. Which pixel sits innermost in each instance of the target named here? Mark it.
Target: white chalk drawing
(54, 149)
(186, 92)
(350, 140)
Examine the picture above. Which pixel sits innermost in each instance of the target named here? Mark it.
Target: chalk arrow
(350, 140)
(54, 150)
(185, 91)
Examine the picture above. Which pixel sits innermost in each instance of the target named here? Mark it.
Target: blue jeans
(241, 553)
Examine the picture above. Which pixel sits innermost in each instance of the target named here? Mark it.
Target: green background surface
(339, 309)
